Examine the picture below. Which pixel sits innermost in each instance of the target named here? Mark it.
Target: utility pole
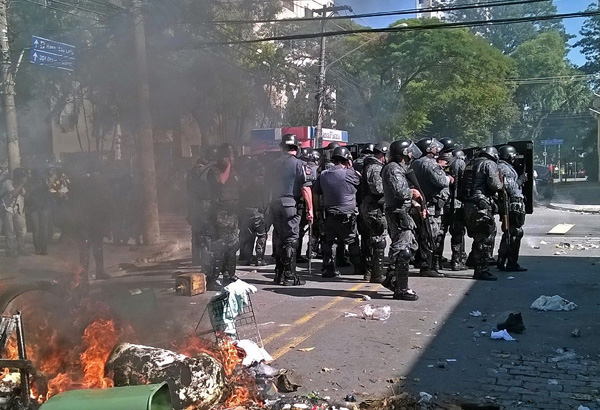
(146, 166)
(8, 92)
(596, 113)
(318, 140)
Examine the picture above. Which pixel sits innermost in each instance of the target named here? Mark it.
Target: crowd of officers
(413, 193)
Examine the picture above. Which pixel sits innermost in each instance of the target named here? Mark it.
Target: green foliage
(590, 43)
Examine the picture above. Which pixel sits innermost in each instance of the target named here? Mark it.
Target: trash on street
(553, 303)
(502, 334)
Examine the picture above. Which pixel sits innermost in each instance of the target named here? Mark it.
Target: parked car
(544, 183)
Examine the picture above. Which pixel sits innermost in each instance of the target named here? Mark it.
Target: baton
(310, 248)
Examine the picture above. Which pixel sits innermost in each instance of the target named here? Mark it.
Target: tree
(589, 43)
(549, 90)
(435, 82)
(507, 37)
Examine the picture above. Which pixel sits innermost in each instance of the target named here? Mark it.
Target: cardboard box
(190, 284)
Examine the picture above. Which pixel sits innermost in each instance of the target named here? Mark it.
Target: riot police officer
(433, 180)
(337, 187)
(481, 186)
(398, 197)
(457, 222)
(198, 208)
(224, 186)
(365, 152)
(252, 214)
(306, 155)
(372, 212)
(289, 183)
(508, 254)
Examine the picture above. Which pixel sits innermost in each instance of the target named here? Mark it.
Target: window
(288, 4)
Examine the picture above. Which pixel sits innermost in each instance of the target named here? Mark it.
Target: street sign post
(52, 53)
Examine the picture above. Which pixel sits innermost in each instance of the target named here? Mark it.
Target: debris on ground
(350, 398)
(425, 397)
(514, 323)
(560, 229)
(576, 333)
(543, 243)
(553, 303)
(475, 313)
(254, 353)
(564, 354)
(288, 381)
(502, 334)
(376, 313)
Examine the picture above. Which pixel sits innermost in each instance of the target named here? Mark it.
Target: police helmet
(459, 154)
(507, 153)
(489, 152)
(448, 144)
(210, 153)
(368, 148)
(341, 154)
(333, 145)
(19, 173)
(382, 146)
(289, 140)
(306, 153)
(404, 148)
(225, 151)
(315, 156)
(427, 145)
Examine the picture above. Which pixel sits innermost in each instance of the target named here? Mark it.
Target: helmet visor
(436, 146)
(413, 151)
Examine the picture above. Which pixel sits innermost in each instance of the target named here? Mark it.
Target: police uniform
(481, 185)
(199, 218)
(434, 183)
(398, 204)
(311, 170)
(289, 177)
(373, 216)
(337, 187)
(508, 253)
(253, 229)
(225, 232)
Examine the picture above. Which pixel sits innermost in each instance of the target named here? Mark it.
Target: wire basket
(235, 321)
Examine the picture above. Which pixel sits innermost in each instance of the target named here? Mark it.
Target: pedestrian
(289, 182)
(481, 185)
(434, 183)
(224, 184)
(398, 197)
(508, 253)
(337, 187)
(93, 219)
(39, 203)
(12, 212)
(372, 212)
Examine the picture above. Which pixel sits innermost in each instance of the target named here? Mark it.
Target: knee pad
(518, 233)
(379, 244)
(404, 254)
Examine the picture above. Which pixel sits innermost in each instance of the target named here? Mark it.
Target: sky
(573, 26)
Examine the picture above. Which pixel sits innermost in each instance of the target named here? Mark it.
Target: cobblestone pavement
(534, 381)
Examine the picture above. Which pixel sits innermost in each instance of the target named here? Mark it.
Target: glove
(522, 179)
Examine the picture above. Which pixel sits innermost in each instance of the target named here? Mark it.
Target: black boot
(482, 271)
(401, 289)
(278, 271)
(290, 278)
(377, 273)
(456, 263)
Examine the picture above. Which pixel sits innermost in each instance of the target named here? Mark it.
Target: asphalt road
(305, 328)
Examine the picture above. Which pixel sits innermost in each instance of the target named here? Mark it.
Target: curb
(559, 207)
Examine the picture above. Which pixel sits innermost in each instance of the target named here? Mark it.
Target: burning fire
(244, 389)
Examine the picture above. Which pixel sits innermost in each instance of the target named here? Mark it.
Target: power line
(61, 10)
(375, 14)
(433, 26)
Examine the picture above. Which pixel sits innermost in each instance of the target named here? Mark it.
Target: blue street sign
(51, 60)
(54, 47)
(552, 142)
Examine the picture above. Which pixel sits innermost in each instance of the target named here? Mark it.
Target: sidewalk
(576, 197)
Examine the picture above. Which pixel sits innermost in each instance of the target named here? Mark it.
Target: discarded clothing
(553, 303)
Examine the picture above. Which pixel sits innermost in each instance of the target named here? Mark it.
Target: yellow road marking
(309, 316)
(280, 352)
